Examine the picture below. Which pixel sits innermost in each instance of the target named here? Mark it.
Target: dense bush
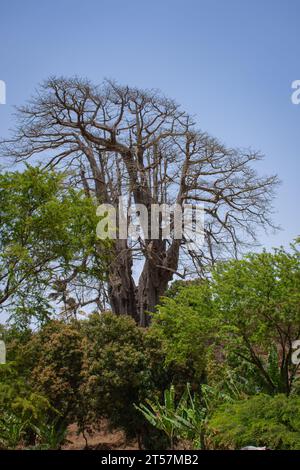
(229, 337)
(185, 324)
(97, 368)
(25, 414)
(261, 420)
(121, 367)
(55, 357)
(256, 302)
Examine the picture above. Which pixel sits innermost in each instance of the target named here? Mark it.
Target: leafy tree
(241, 322)
(257, 302)
(261, 420)
(48, 248)
(185, 323)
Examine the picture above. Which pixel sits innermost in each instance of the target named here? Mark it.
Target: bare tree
(120, 140)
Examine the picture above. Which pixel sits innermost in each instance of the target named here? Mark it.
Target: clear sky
(231, 63)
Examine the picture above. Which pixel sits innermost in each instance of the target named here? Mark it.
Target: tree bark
(122, 289)
(158, 271)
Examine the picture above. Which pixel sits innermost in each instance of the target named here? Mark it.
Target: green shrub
(261, 420)
(56, 356)
(21, 409)
(117, 372)
(185, 324)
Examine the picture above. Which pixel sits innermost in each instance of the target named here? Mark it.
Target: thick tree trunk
(122, 289)
(138, 301)
(158, 271)
(152, 285)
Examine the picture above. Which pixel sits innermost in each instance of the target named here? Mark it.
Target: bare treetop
(119, 140)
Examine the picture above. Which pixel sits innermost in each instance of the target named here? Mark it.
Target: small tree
(257, 302)
(186, 325)
(247, 314)
(48, 249)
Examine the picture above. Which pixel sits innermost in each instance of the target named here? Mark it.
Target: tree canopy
(115, 140)
(249, 311)
(49, 254)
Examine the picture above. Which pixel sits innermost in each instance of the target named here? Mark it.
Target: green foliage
(21, 409)
(47, 235)
(12, 430)
(185, 323)
(39, 389)
(232, 376)
(55, 354)
(162, 416)
(93, 369)
(229, 337)
(50, 436)
(123, 365)
(259, 421)
(117, 370)
(257, 303)
(186, 417)
(183, 418)
(17, 396)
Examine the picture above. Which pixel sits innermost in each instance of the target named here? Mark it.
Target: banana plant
(12, 430)
(191, 419)
(161, 416)
(51, 435)
(184, 419)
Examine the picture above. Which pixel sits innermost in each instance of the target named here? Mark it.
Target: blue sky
(231, 63)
